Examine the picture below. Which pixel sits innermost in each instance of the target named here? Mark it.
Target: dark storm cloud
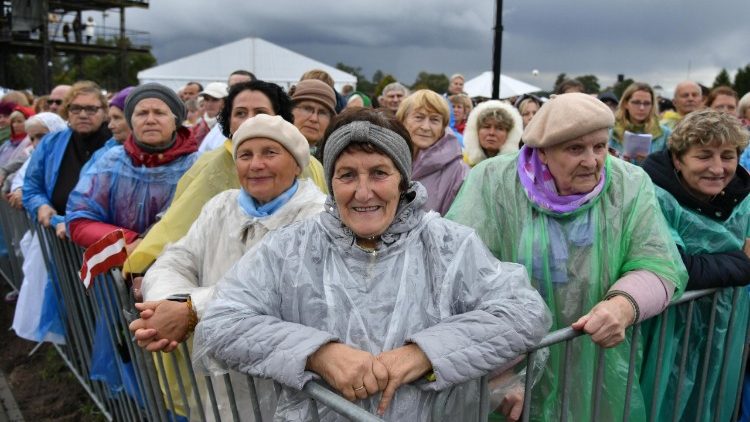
(655, 41)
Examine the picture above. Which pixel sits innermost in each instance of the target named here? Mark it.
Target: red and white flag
(107, 252)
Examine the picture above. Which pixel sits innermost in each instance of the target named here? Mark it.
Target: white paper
(635, 144)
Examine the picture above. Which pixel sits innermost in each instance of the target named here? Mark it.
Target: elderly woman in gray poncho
(378, 295)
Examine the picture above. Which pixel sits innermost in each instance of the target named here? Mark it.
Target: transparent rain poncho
(114, 191)
(573, 259)
(430, 282)
(698, 234)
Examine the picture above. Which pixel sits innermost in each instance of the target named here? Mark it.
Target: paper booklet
(636, 143)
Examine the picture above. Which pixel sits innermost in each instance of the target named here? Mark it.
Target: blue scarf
(252, 209)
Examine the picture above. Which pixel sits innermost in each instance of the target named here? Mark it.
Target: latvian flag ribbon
(107, 252)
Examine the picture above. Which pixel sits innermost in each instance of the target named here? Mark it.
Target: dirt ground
(42, 384)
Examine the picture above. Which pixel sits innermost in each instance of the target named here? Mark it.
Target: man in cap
(213, 101)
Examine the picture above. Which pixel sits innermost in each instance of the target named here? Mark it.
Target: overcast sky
(658, 41)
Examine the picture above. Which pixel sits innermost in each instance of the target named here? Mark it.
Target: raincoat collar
(409, 214)
(660, 168)
(438, 156)
(184, 144)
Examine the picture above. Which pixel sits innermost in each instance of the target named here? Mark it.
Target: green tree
(385, 80)
(722, 79)
(437, 82)
(742, 81)
(21, 71)
(363, 85)
(560, 78)
(104, 69)
(620, 87)
(590, 83)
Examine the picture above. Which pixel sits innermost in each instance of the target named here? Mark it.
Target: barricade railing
(687, 302)
(134, 384)
(139, 385)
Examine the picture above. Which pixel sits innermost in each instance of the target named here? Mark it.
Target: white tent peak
(268, 61)
(481, 86)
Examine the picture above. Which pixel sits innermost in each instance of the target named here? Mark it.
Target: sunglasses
(58, 102)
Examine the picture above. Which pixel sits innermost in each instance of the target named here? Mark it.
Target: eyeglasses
(639, 104)
(307, 111)
(51, 101)
(76, 109)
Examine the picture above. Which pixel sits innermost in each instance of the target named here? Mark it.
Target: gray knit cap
(391, 143)
(159, 91)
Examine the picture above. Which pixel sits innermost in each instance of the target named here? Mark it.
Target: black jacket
(715, 269)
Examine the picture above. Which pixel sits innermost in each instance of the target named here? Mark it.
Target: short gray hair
(395, 86)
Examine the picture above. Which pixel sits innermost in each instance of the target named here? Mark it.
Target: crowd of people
(400, 245)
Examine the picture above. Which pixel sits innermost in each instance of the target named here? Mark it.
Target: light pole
(497, 49)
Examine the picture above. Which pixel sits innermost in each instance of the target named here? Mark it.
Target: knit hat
(388, 141)
(276, 129)
(565, 117)
(216, 90)
(159, 91)
(315, 90)
(119, 99)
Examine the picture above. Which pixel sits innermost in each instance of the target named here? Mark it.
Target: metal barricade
(564, 338)
(142, 387)
(14, 224)
(132, 388)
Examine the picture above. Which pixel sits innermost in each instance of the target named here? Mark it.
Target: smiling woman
(704, 196)
(443, 305)
(436, 153)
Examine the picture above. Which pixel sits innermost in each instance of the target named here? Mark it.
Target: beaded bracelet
(630, 299)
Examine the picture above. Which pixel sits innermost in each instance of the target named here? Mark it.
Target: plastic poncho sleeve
(34, 185)
(178, 269)
(497, 316)
(217, 175)
(646, 238)
(242, 326)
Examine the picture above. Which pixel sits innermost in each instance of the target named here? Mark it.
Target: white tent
(481, 86)
(267, 61)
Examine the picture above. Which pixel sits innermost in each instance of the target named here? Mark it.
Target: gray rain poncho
(431, 282)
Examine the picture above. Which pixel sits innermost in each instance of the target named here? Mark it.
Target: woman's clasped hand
(357, 374)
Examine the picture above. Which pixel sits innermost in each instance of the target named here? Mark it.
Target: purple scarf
(540, 186)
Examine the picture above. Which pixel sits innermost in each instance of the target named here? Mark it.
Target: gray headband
(388, 141)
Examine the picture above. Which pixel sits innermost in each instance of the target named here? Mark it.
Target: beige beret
(565, 117)
(276, 129)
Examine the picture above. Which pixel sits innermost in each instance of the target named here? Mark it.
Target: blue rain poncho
(573, 259)
(430, 282)
(113, 190)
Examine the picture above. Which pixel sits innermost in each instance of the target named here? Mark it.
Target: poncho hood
(438, 156)
(408, 216)
(474, 150)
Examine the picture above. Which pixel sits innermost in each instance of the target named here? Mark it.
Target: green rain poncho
(698, 234)
(572, 260)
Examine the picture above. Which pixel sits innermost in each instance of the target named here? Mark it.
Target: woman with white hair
(493, 128)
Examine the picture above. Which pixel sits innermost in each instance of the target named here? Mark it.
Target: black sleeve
(726, 269)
